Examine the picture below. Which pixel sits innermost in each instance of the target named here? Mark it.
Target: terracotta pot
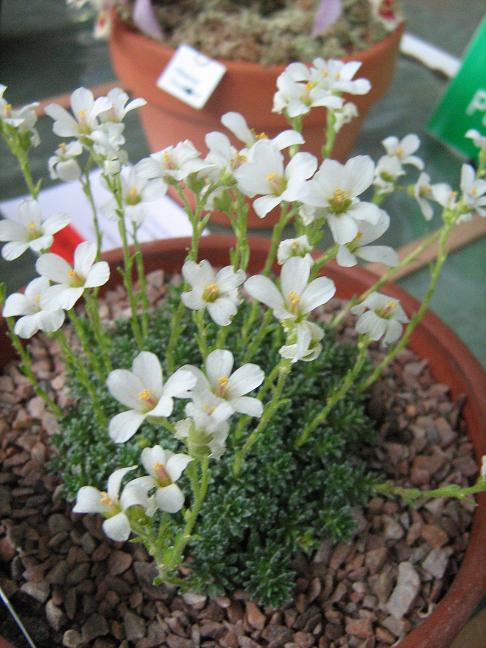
(450, 363)
(246, 87)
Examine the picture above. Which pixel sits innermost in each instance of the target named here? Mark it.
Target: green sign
(463, 105)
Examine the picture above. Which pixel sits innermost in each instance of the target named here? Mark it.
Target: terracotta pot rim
(143, 40)
(467, 588)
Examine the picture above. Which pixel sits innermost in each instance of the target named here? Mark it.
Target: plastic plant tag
(463, 105)
(191, 76)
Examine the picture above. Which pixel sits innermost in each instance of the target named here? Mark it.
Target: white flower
(478, 139)
(296, 297)
(62, 164)
(483, 467)
(227, 386)
(336, 188)
(236, 123)
(337, 76)
(264, 173)
(304, 343)
(28, 306)
(473, 192)
(296, 96)
(203, 435)
(71, 281)
(299, 246)
(143, 391)
(84, 119)
(359, 246)
(108, 139)
(380, 316)
(22, 119)
(344, 115)
(164, 468)
(28, 230)
(218, 292)
(387, 172)
(173, 162)
(102, 26)
(136, 192)
(310, 214)
(222, 158)
(423, 193)
(120, 105)
(111, 505)
(403, 149)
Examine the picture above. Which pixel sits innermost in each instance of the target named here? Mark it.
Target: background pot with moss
(255, 41)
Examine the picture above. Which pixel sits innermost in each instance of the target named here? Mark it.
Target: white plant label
(191, 76)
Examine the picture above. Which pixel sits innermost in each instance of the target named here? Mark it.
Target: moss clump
(284, 500)
(267, 31)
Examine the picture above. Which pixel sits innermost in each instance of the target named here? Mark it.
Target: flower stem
(418, 315)
(253, 347)
(269, 410)
(202, 338)
(183, 537)
(330, 135)
(99, 332)
(389, 274)
(175, 330)
(337, 393)
(142, 280)
(26, 368)
(86, 184)
(86, 344)
(321, 261)
(76, 365)
(410, 495)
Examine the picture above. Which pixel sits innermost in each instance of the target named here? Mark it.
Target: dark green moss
(283, 502)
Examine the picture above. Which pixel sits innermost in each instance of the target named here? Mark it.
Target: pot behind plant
(246, 87)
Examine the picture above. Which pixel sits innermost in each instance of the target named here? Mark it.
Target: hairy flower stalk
(341, 389)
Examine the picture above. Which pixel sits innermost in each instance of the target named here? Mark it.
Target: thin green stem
(142, 281)
(321, 261)
(202, 338)
(410, 495)
(86, 184)
(337, 393)
(175, 330)
(26, 368)
(99, 332)
(184, 537)
(86, 344)
(269, 411)
(418, 315)
(330, 135)
(264, 329)
(76, 364)
(385, 277)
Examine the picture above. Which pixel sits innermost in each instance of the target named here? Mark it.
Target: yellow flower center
(75, 281)
(147, 397)
(340, 201)
(83, 125)
(211, 292)
(105, 499)
(132, 197)
(276, 182)
(33, 232)
(161, 474)
(168, 161)
(260, 136)
(399, 152)
(223, 383)
(294, 300)
(425, 190)
(386, 311)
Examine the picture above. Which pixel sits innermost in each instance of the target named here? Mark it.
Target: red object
(65, 242)
(450, 363)
(247, 88)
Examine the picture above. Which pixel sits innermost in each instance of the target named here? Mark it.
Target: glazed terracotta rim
(375, 50)
(450, 362)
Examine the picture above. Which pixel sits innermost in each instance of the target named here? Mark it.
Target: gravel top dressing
(74, 587)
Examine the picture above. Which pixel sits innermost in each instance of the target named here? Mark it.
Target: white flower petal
(146, 366)
(245, 379)
(151, 456)
(295, 275)
(176, 465)
(219, 363)
(247, 405)
(88, 500)
(179, 384)
(98, 275)
(345, 258)
(117, 527)
(169, 499)
(53, 267)
(124, 425)
(13, 250)
(125, 386)
(264, 290)
(222, 311)
(115, 480)
(318, 292)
